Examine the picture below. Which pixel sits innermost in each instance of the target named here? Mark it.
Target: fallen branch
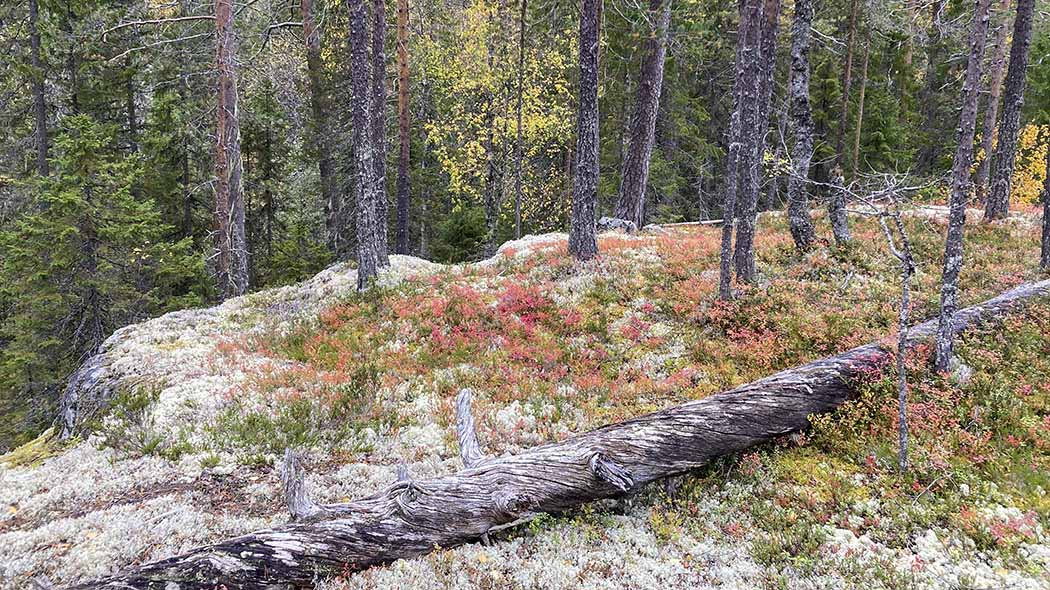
(411, 518)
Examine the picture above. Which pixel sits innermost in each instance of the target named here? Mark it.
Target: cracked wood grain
(411, 518)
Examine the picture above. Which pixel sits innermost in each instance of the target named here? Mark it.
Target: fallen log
(411, 518)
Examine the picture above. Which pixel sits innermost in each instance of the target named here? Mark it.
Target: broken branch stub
(469, 448)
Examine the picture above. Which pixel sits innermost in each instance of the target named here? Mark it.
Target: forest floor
(211, 398)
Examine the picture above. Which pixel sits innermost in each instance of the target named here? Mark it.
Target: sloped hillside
(201, 404)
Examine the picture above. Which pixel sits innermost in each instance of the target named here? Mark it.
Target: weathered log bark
(998, 203)
(801, 127)
(583, 237)
(953, 245)
(411, 518)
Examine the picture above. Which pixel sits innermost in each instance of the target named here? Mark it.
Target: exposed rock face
(607, 224)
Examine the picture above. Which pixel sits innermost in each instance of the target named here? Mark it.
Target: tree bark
(745, 93)
(231, 246)
(998, 204)
(411, 518)
(635, 176)
(583, 237)
(320, 109)
(377, 123)
(756, 129)
(847, 79)
(518, 147)
(1044, 255)
(364, 155)
(404, 193)
(991, 110)
(39, 104)
(855, 163)
(837, 208)
(953, 247)
(801, 127)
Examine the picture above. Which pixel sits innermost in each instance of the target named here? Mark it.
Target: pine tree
(801, 126)
(583, 239)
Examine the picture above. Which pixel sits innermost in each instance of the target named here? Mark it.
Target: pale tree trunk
(364, 155)
(998, 204)
(837, 208)
(377, 123)
(801, 127)
(745, 96)
(518, 147)
(635, 176)
(860, 103)
(321, 109)
(991, 110)
(414, 517)
(404, 194)
(953, 248)
(756, 130)
(583, 238)
(230, 244)
(39, 105)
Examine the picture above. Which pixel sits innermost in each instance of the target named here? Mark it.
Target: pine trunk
(320, 108)
(583, 238)
(991, 110)
(39, 106)
(377, 123)
(855, 163)
(404, 193)
(847, 79)
(363, 158)
(745, 93)
(960, 192)
(801, 127)
(518, 147)
(756, 129)
(998, 204)
(635, 176)
(1044, 257)
(928, 100)
(231, 247)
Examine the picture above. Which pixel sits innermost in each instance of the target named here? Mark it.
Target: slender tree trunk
(377, 122)
(321, 109)
(404, 194)
(231, 245)
(583, 238)
(998, 204)
(991, 110)
(39, 105)
(635, 176)
(928, 99)
(756, 130)
(801, 126)
(953, 248)
(1044, 255)
(365, 185)
(860, 104)
(518, 147)
(847, 79)
(745, 95)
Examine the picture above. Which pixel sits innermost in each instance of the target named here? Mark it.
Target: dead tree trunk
(756, 129)
(991, 110)
(801, 127)
(635, 176)
(231, 254)
(998, 204)
(39, 106)
(745, 93)
(404, 191)
(953, 247)
(377, 124)
(583, 237)
(411, 518)
(363, 147)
